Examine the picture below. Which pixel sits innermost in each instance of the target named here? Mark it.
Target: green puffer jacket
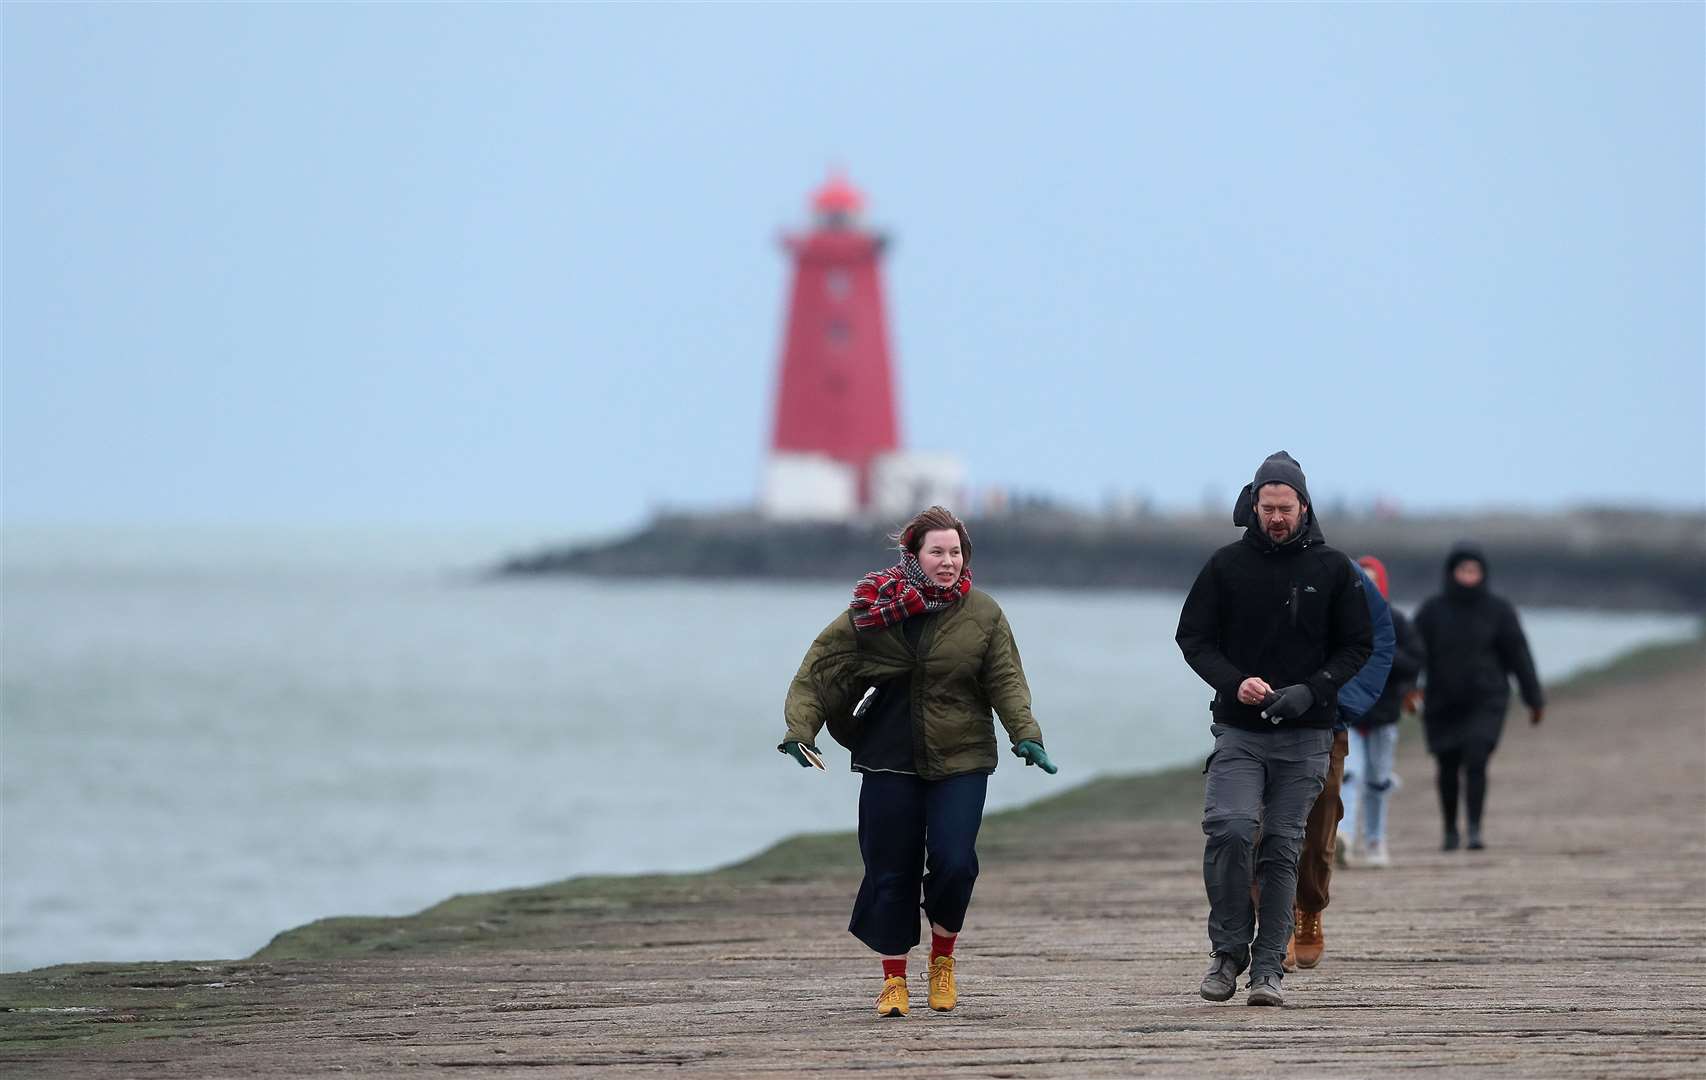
(966, 663)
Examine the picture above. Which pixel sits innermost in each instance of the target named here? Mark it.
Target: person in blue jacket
(1369, 779)
(1315, 866)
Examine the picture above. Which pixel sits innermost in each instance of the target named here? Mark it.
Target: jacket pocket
(1309, 612)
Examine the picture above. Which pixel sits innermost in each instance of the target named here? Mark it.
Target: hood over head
(1461, 552)
(1376, 570)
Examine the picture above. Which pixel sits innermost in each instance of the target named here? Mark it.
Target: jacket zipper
(921, 741)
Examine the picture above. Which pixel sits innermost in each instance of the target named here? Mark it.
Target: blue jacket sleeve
(1358, 695)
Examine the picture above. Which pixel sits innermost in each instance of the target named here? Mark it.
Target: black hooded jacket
(1289, 613)
(1474, 645)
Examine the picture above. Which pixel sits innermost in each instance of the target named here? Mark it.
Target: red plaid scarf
(885, 597)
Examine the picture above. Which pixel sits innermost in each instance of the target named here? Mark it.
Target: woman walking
(905, 679)
(1474, 645)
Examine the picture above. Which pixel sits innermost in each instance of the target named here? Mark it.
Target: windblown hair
(911, 535)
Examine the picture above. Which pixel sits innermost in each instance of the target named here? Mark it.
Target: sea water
(203, 745)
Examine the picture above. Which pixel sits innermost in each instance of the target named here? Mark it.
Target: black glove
(1288, 704)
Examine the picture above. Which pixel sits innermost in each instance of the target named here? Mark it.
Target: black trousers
(1470, 759)
(918, 839)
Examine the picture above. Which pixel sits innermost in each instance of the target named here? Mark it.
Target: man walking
(1276, 624)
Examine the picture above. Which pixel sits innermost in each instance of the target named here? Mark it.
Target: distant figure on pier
(1474, 645)
(1276, 624)
(1374, 743)
(905, 679)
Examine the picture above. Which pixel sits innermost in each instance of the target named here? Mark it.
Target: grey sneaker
(1265, 990)
(1222, 979)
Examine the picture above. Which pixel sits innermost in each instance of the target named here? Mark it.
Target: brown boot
(1290, 961)
(1308, 938)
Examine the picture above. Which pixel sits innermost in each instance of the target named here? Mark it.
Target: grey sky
(323, 263)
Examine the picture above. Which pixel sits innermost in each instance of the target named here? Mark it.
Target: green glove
(1034, 754)
(793, 749)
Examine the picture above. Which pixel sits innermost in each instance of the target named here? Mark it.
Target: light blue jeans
(1368, 781)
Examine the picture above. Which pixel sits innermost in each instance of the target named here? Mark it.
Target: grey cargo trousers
(1264, 781)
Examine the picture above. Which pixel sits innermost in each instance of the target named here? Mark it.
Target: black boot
(1475, 838)
(1451, 839)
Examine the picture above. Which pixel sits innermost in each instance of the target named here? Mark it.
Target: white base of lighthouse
(816, 487)
(907, 481)
(808, 487)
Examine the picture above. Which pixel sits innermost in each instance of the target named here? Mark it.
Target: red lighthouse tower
(835, 402)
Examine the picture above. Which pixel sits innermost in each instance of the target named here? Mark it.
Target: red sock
(940, 945)
(893, 968)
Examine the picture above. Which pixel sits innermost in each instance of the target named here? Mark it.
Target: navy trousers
(918, 839)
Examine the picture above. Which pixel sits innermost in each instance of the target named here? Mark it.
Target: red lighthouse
(835, 401)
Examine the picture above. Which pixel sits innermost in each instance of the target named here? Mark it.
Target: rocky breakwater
(1598, 559)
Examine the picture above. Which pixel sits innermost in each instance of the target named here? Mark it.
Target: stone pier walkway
(1574, 946)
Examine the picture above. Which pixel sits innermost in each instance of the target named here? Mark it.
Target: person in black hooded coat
(1474, 645)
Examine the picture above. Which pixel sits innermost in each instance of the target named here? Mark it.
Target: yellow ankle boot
(893, 1000)
(943, 994)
